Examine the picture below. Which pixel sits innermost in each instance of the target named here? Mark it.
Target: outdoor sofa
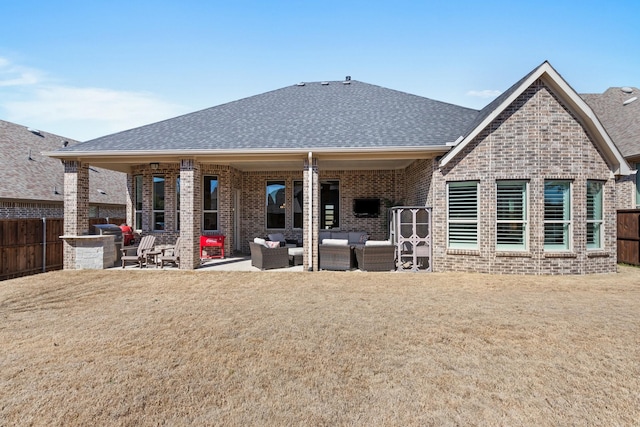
(335, 251)
(376, 256)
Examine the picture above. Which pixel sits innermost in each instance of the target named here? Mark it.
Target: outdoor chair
(266, 258)
(376, 258)
(174, 257)
(336, 254)
(146, 244)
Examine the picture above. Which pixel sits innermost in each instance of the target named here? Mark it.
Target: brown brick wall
(536, 138)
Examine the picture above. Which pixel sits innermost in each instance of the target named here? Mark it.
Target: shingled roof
(26, 174)
(315, 115)
(622, 121)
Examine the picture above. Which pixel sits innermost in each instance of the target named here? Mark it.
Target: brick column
(315, 223)
(130, 220)
(190, 213)
(76, 206)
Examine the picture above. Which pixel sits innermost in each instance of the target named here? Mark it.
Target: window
(158, 202)
(178, 204)
(210, 202)
(276, 204)
(557, 215)
(463, 215)
(511, 215)
(329, 204)
(137, 202)
(298, 204)
(594, 215)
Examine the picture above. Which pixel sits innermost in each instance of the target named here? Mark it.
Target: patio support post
(190, 213)
(129, 217)
(76, 207)
(311, 220)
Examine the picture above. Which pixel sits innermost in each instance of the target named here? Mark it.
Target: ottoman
(295, 256)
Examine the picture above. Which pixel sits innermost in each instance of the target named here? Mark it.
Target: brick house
(33, 184)
(527, 185)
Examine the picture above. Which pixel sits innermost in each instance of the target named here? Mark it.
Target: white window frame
(138, 196)
(567, 223)
(156, 211)
(471, 218)
(523, 222)
(177, 222)
(598, 223)
(293, 203)
(283, 207)
(210, 211)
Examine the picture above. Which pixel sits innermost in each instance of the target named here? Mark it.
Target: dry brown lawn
(222, 348)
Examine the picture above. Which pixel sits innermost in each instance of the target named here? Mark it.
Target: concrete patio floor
(232, 263)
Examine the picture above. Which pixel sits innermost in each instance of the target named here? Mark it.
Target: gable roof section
(28, 175)
(562, 89)
(315, 116)
(621, 120)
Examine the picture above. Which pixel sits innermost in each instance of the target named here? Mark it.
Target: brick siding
(534, 139)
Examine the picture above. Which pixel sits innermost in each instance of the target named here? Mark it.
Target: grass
(229, 348)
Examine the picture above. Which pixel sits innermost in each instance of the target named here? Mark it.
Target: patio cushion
(260, 241)
(276, 237)
(335, 242)
(340, 235)
(324, 235)
(377, 243)
(356, 237)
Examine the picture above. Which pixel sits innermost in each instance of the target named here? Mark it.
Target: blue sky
(84, 69)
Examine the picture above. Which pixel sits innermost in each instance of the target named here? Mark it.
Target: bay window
(462, 215)
(557, 215)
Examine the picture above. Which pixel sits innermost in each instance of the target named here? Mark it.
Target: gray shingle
(337, 115)
(35, 178)
(622, 122)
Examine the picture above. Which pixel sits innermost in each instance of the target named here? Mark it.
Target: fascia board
(491, 117)
(74, 155)
(556, 82)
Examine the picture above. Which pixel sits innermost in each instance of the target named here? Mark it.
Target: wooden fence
(629, 236)
(31, 246)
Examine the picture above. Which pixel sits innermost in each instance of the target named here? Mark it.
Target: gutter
(244, 153)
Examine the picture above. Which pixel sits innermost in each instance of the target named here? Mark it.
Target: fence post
(44, 245)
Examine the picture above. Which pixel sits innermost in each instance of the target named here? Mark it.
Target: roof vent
(300, 84)
(626, 89)
(325, 83)
(34, 131)
(65, 143)
(630, 100)
(347, 79)
(30, 158)
(101, 191)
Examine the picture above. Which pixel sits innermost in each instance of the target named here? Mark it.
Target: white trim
(559, 85)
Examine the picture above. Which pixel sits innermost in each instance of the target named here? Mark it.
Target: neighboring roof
(27, 175)
(309, 116)
(621, 120)
(561, 88)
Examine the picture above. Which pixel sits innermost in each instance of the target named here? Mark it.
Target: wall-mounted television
(366, 208)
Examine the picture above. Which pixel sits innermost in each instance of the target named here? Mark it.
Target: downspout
(310, 213)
